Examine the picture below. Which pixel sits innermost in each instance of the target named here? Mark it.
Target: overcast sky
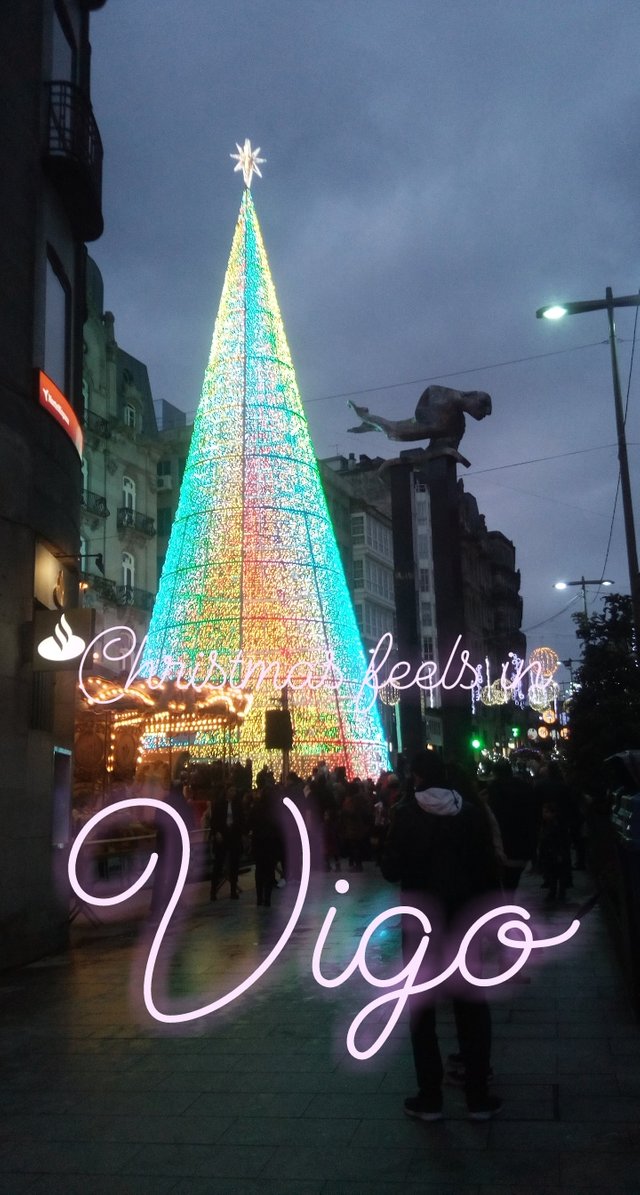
(435, 172)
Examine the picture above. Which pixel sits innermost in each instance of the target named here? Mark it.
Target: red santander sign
(54, 401)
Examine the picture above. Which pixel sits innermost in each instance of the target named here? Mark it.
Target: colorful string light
(252, 570)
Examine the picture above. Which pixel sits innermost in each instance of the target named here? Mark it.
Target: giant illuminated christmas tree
(253, 589)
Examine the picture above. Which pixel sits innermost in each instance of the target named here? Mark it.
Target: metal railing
(96, 424)
(119, 595)
(131, 518)
(95, 504)
(130, 595)
(74, 149)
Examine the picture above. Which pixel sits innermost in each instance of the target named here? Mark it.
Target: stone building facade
(118, 547)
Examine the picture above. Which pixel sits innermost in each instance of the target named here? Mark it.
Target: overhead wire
(436, 377)
(536, 460)
(455, 373)
(563, 609)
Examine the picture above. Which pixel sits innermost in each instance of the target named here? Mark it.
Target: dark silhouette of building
(50, 205)
(452, 577)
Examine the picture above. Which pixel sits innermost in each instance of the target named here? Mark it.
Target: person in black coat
(227, 827)
(511, 801)
(439, 848)
(169, 847)
(266, 845)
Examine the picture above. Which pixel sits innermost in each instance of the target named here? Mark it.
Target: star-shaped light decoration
(248, 161)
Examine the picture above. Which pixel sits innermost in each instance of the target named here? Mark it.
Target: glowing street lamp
(583, 585)
(557, 311)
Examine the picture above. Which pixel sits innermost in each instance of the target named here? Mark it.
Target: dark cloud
(434, 174)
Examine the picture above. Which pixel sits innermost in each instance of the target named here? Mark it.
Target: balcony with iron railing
(95, 504)
(73, 156)
(130, 595)
(116, 595)
(137, 522)
(97, 425)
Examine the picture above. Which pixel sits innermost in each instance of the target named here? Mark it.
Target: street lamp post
(583, 585)
(609, 304)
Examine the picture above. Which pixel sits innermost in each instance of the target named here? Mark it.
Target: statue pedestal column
(405, 586)
(440, 475)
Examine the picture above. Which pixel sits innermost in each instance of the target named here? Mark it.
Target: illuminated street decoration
(252, 570)
(548, 660)
(542, 695)
(512, 931)
(538, 697)
(166, 716)
(494, 694)
(119, 645)
(248, 161)
(389, 694)
(542, 664)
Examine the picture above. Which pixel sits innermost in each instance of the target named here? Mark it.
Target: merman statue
(439, 418)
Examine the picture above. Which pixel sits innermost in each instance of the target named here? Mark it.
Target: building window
(357, 529)
(422, 509)
(163, 475)
(129, 416)
(63, 50)
(426, 614)
(423, 547)
(427, 647)
(379, 538)
(379, 580)
(128, 493)
(57, 338)
(358, 574)
(377, 622)
(128, 570)
(424, 580)
(164, 520)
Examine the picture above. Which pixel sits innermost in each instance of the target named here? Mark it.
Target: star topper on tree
(248, 161)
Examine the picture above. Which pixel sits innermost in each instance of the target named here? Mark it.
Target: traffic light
(476, 741)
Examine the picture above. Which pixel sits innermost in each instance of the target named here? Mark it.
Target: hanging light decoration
(547, 660)
(538, 698)
(494, 694)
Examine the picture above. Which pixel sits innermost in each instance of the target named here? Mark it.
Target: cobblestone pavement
(263, 1096)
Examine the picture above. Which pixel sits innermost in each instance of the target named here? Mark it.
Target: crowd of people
(533, 821)
(452, 841)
